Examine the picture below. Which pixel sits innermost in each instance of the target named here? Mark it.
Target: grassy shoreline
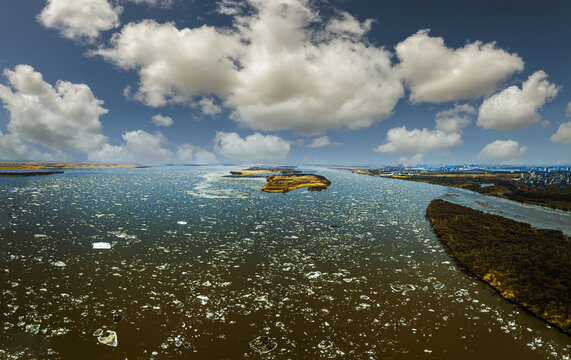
(529, 267)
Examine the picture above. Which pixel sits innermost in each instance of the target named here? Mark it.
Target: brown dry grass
(285, 183)
(527, 266)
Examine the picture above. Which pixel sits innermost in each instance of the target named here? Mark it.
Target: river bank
(526, 266)
(497, 185)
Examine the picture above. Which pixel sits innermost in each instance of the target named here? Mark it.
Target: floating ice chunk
(461, 292)
(203, 299)
(101, 245)
(59, 264)
(404, 288)
(409, 287)
(119, 234)
(181, 222)
(33, 329)
(325, 344)
(177, 342)
(102, 215)
(362, 306)
(108, 338)
(313, 274)
(263, 344)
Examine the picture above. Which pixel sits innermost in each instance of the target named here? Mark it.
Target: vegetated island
(34, 165)
(265, 170)
(503, 185)
(28, 173)
(285, 183)
(529, 267)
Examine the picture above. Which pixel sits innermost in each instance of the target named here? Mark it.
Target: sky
(339, 82)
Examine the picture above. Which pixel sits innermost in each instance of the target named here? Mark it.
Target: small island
(285, 183)
(265, 170)
(529, 267)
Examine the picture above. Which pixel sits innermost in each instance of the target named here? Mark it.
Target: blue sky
(286, 81)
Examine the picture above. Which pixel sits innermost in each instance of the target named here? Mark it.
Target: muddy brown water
(201, 264)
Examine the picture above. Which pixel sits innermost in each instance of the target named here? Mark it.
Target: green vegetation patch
(527, 266)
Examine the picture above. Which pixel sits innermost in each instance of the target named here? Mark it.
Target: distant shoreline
(28, 173)
(33, 165)
(497, 185)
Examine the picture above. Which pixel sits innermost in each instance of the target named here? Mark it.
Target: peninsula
(285, 183)
(502, 185)
(527, 266)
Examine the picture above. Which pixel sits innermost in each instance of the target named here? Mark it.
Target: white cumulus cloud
(436, 73)
(160, 120)
(142, 147)
(448, 133)
(515, 108)
(281, 67)
(346, 25)
(403, 141)
(208, 106)
(81, 20)
(64, 117)
(563, 134)
(187, 153)
(413, 160)
(13, 148)
(175, 65)
(252, 148)
(505, 151)
(456, 119)
(322, 141)
(158, 3)
(568, 112)
(139, 146)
